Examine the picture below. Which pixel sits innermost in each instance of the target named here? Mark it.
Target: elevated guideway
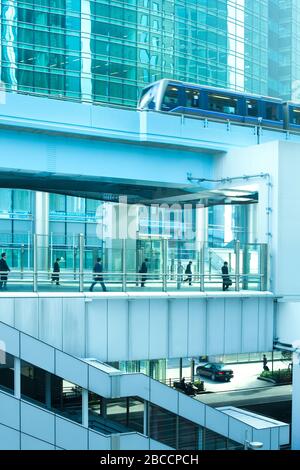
(104, 152)
(93, 376)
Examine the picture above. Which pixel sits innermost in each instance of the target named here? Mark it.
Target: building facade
(108, 50)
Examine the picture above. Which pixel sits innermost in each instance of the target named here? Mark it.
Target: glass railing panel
(135, 265)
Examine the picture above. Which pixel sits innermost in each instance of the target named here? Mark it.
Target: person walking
(56, 271)
(4, 270)
(143, 270)
(189, 273)
(179, 274)
(98, 277)
(225, 275)
(265, 362)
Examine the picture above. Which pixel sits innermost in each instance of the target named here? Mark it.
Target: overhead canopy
(137, 192)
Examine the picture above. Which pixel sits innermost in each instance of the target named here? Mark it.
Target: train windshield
(252, 108)
(222, 104)
(149, 97)
(171, 98)
(295, 116)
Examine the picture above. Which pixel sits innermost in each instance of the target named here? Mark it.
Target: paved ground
(282, 393)
(245, 377)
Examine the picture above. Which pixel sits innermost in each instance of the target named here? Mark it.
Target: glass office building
(107, 50)
(284, 49)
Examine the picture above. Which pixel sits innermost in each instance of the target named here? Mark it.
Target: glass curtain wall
(284, 45)
(107, 50)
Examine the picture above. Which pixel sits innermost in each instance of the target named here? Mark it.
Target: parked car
(216, 371)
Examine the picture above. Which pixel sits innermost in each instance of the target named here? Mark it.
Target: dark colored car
(215, 371)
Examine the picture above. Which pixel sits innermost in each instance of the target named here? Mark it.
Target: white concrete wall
(281, 228)
(122, 327)
(287, 323)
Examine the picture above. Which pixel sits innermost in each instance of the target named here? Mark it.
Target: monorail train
(219, 103)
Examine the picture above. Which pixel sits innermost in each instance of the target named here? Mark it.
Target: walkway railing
(31, 267)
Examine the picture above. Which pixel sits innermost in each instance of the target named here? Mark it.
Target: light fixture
(251, 445)
(255, 445)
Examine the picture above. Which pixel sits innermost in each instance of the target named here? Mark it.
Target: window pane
(222, 104)
(192, 98)
(252, 108)
(6, 371)
(272, 111)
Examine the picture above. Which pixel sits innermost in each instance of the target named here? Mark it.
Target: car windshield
(219, 366)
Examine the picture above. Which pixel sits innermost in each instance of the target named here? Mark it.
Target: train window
(295, 116)
(192, 98)
(272, 111)
(171, 98)
(222, 104)
(252, 108)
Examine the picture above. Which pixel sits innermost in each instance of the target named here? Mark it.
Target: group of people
(98, 274)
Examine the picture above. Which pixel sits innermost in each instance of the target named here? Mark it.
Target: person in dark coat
(144, 270)
(56, 271)
(4, 270)
(265, 362)
(189, 273)
(98, 277)
(225, 275)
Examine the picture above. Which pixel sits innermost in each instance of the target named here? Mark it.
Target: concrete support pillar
(41, 228)
(296, 398)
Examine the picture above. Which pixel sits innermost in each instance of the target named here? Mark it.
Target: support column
(201, 240)
(237, 265)
(35, 263)
(146, 419)
(124, 267)
(165, 263)
(48, 390)
(17, 377)
(81, 262)
(85, 408)
(41, 228)
(263, 267)
(296, 398)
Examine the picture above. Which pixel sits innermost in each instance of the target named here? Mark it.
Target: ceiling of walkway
(136, 192)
